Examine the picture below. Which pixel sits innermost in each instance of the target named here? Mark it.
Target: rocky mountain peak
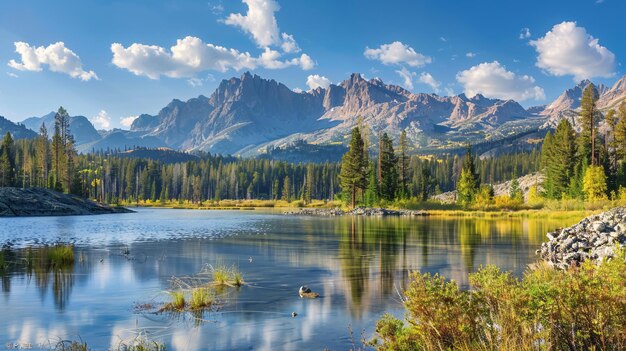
(620, 85)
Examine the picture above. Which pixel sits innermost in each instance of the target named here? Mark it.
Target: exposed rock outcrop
(593, 238)
(17, 202)
(500, 189)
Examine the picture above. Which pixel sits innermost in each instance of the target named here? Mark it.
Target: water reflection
(357, 265)
(50, 266)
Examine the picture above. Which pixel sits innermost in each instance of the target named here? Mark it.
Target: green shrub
(583, 308)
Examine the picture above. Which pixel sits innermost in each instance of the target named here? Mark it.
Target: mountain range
(251, 116)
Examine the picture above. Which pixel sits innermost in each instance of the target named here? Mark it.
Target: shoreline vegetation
(551, 209)
(572, 298)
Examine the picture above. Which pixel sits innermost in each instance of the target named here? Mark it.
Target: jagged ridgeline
(251, 116)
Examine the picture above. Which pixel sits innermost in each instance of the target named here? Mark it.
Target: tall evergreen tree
(286, 193)
(403, 164)
(588, 120)
(469, 181)
(354, 167)
(560, 166)
(42, 150)
(7, 161)
(426, 182)
(388, 169)
(620, 132)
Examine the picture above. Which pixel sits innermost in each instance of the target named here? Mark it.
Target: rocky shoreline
(593, 238)
(30, 202)
(359, 211)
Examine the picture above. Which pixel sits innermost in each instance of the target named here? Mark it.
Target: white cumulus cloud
(315, 80)
(493, 80)
(56, 56)
(569, 50)
(289, 44)
(191, 55)
(259, 21)
(127, 121)
(397, 53)
(407, 77)
(270, 59)
(188, 57)
(101, 120)
(470, 54)
(429, 80)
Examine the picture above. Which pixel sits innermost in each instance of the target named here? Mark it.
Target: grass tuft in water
(60, 256)
(227, 275)
(142, 345)
(177, 300)
(200, 298)
(71, 345)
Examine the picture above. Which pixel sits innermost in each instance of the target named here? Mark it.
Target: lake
(357, 265)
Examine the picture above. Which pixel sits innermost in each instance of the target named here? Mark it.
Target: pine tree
(515, 192)
(620, 132)
(403, 164)
(372, 191)
(426, 182)
(588, 119)
(469, 182)
(42, 150)
(546, 160)
(354, 167)
(7, 161)
(561, 167)
(388, 169)
(286, 193)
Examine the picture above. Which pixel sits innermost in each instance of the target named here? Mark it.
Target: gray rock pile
(593, 238)
(359, 211)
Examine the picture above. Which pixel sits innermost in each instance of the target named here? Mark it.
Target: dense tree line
(588, 164)
(393, 175)
(51, 161)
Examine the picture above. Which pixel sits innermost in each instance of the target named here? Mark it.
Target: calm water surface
(356, 264)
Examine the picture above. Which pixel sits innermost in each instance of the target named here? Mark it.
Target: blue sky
(426, 46)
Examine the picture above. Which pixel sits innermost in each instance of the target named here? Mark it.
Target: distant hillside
(18, 131)
(81, 128)
(314, 153)
(164, 155)
(118, 139)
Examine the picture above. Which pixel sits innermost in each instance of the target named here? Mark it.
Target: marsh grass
(201, 298)
(71, 345)
(177, 301)
(582, 308)
(201, 292)
(141, 344)
(40, 259)
(59, 256)
(224, 275)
